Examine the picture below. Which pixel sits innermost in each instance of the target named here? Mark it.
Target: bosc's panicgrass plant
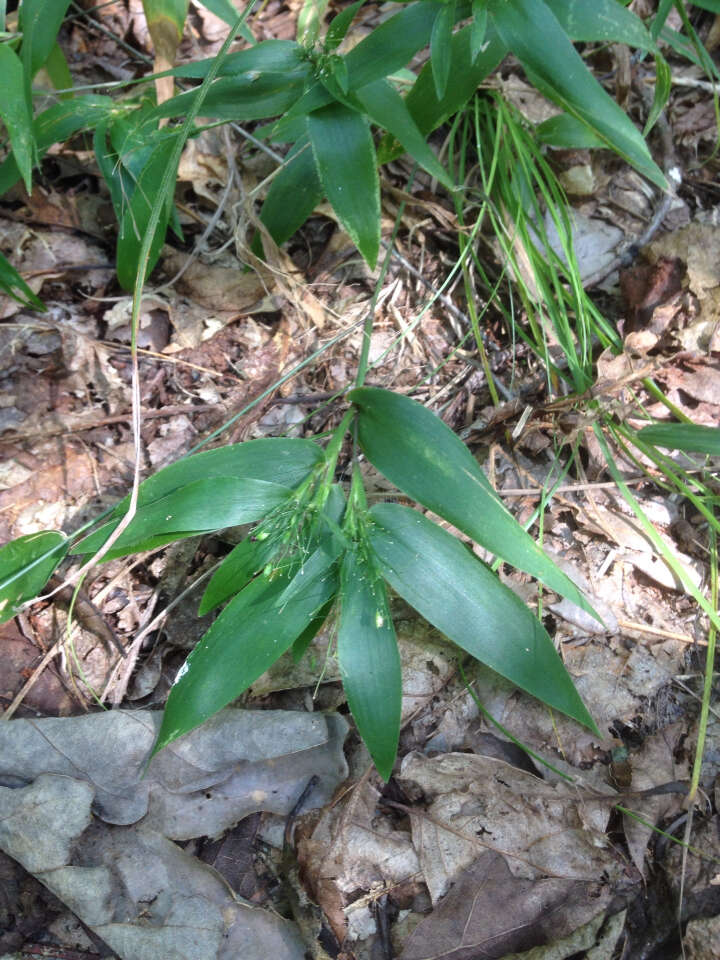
(312, 550)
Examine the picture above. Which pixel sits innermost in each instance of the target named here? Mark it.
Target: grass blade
(251, 633)
(346, 164)
(26, 564)
(369, 659)
(690, 437)
(16, 113)
(424, 458)
(199, 507)
(438, 576)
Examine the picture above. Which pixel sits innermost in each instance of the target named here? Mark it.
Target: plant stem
(369, 320)
(707, 688)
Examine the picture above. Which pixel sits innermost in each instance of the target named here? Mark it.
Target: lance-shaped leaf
(440, 48)
(275, 460)
(340, 25)
(690, 437)
(424, 458)
(293, 195)
(469, 70)
(460, 596)
(603, 21)
(137, 207)
(236, 571)
(15, 111)
(530, 29)
(246, 639)
(199, 507)
(252, 554)
(13, 285)
(387, 109)
(26, 564)
(40, 22)
(346, 164)
(369, 660)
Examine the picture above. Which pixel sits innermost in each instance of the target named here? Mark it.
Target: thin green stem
(707, 687)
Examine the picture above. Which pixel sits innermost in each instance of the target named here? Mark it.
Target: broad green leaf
(16, 113)
(467, 73)
(346, 164)
(368, 657)
(391, 45)
(479, 28)
(275, 460)
(241, 97)
(294, 193)
(340, 25)
(387, 109)
(270, 56)
(424, 458)
(238, 568)
(13, 285)
(300, 645)
(40, 23)
(530, 30)
(251, 633)
(137, 208)
(198, 507)
(26, 565)
(567, 132)
(663, 86)
(454, 591)
(690, 437)
(440, 46)
(602, 21)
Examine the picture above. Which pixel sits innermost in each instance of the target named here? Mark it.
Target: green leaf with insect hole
(459, 595)
(251, 633)
(424, 458)
(26, 565)
(346, 164)
(199, 507)
(368, 657)
(690, 437)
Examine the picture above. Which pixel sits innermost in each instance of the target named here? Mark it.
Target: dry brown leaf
(491, 913)
(476, 802)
